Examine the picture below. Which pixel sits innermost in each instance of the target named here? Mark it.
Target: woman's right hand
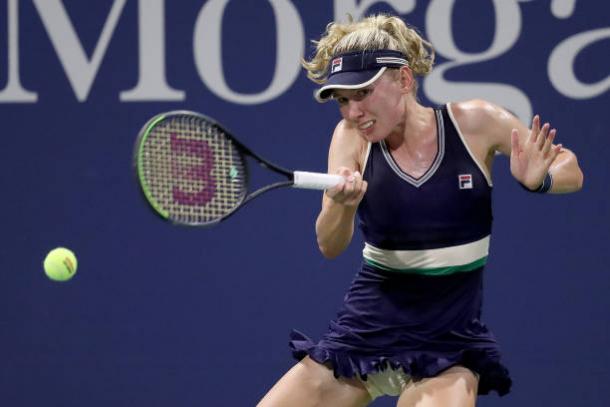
(351, 191)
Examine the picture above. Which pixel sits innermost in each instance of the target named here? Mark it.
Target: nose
(354, 110)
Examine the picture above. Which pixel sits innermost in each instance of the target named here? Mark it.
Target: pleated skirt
(422, 324)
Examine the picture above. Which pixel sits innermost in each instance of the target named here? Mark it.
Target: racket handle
(316, 180)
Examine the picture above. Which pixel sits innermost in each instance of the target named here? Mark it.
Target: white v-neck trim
(366, 157)
(417, 182)
(481, 166)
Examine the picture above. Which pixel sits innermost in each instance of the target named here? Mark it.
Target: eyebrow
(334, 95)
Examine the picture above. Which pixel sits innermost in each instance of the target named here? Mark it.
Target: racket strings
(194, 172)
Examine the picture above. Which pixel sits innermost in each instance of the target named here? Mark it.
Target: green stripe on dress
(437, 271)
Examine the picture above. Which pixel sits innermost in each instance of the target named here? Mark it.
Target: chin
(374, 137)
(373, 134)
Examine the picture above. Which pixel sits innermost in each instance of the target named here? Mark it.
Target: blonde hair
(375, 32)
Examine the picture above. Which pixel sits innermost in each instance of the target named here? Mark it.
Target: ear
(406, 79)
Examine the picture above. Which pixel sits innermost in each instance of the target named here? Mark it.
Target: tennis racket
(192, 171)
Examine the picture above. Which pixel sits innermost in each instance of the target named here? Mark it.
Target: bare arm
(531, 151)
(335, 223)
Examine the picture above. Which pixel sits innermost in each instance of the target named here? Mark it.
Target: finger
(542, 136)
(360, 193)
(339, 187)
(344, 172)
(365, 186)
(350, 182)
(514, 141)
(549, 142)
(357, 183)
(554, 153)
(335, 191)
(535, 129)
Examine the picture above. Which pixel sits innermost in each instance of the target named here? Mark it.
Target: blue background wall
(166, 316)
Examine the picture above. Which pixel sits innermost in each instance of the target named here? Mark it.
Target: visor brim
(347, 80)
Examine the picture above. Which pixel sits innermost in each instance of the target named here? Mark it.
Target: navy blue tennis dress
(416, 302)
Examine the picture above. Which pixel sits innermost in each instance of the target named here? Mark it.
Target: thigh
(455, 387)
(310, 384)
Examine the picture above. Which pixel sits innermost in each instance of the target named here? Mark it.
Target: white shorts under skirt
(388, 382)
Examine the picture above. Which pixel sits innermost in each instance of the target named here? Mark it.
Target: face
(376, 110)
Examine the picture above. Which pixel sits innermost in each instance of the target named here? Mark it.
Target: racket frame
(242, 149)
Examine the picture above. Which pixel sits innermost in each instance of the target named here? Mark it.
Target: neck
(418, 126)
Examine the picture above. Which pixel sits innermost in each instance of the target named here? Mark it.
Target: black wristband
(545, 187)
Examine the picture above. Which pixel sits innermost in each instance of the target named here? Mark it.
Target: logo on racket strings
(192, 163)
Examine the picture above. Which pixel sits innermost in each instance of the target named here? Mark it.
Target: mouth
(366, 125)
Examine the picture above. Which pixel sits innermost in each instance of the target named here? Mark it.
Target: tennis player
(411, 322)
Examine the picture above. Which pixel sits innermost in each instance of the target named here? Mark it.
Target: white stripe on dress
(453, 256)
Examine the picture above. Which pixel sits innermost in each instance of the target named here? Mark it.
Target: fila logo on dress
(465, 181)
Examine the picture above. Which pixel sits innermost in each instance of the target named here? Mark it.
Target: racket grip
(316, 180)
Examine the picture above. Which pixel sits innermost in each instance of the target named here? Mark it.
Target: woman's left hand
(530, 160)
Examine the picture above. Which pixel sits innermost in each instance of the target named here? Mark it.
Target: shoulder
(478, 115)
(485, 123)
(346, 132)
(347, 146)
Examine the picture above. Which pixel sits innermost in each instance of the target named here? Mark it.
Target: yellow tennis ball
(60, 264)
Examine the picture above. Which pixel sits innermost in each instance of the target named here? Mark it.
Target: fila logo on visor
(336, 65)
(465, 181)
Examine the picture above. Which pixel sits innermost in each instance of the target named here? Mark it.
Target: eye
(342, 100)
(362, 93)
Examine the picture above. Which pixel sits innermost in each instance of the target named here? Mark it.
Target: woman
(410, 325)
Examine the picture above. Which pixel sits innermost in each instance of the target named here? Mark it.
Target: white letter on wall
(561, 66)
(152, 84)
(14, 92)
(207, 43)
(80, 70)
(439, 29)
(357, 11)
